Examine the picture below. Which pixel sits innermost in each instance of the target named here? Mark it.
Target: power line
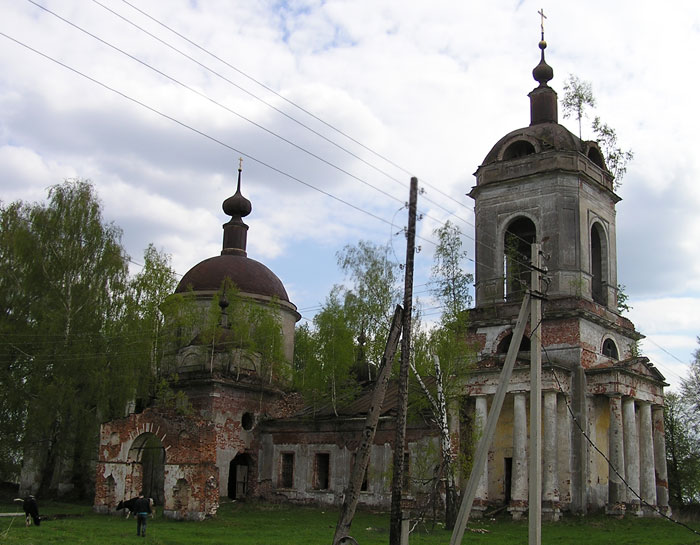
(215, 102)
(607, 460)
(314, 116)
(195, 130)
(174, 80)
(212, 138)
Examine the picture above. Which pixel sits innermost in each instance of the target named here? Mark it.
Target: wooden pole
(489, 431)
(347, 511)
(402, 403)
(535, 481)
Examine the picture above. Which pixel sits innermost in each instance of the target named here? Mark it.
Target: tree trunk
(439, 409)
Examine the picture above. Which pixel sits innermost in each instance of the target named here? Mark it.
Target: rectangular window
(322, 462)
(286, 479)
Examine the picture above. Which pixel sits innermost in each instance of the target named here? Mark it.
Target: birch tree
(578, 97)
(445, 355)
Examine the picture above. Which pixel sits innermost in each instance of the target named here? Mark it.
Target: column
(616, 489)
(564, 451)
(647, 477)
(518, 491)
(631, 438)
(550, 475)
(482, 490)
(660, 460)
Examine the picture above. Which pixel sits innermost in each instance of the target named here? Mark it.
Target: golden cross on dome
(542, 18)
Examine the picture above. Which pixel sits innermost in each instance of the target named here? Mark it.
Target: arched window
(595, 156)
(599, 264)
(504, 345)
(517, 149)
(610, 349)
(519, 236)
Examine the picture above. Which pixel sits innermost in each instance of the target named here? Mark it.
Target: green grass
(263, 524)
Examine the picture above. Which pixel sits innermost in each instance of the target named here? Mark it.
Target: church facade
(603, 437)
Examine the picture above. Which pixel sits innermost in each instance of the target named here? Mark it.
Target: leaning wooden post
(347, 511)
(402, 404)
(482, 449)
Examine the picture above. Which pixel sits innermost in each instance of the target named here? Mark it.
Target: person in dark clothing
(142, 507)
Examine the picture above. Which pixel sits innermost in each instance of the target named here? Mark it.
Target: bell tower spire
(543, 99)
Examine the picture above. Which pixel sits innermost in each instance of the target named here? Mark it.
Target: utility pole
(535, 480)
(352, 494)
(531, 302)
(489, 430)
(402, 408)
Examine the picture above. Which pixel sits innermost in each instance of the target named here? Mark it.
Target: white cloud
(430, 87)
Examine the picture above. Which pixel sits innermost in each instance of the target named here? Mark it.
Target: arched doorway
(238, 477)
(148, 451)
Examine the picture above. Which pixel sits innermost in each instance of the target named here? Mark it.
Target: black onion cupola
(543, 99)
(236, 231)
(249, 276)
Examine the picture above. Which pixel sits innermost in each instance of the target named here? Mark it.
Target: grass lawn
(262, 524)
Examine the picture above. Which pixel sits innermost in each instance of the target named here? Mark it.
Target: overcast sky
(420, 88)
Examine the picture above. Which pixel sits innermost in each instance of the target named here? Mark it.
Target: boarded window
(322, 462)
(287, 470)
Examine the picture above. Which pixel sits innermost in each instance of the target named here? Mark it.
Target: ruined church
(248, 438)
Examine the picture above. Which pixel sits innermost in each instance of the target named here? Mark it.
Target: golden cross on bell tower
(542, 18)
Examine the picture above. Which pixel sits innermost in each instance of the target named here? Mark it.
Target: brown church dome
(248, 275)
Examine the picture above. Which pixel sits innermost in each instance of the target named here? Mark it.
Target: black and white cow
(31, 510)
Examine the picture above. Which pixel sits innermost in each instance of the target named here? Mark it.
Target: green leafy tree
(373, 293)
(73, 351)
(450, 283)
(325, 368)
(578, 97)
(622, 299)
(344, 344)
(616, 158)
(683, 437)
(443, 355)
(682, 450)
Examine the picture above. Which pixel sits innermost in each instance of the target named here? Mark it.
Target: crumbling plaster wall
(189, 447)
(340, 439)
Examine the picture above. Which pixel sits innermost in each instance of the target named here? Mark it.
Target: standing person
(142, 507)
